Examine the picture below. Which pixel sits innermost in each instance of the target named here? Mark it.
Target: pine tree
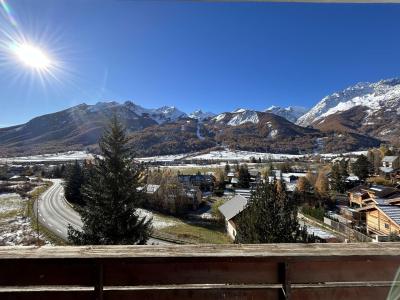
(111, 195)
(361, 167)
(227, 168)
(270, 217)
(343, 168)
(337, 181)
(73, 184)
(244, 177)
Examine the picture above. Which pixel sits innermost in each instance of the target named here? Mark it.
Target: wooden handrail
(273, 271)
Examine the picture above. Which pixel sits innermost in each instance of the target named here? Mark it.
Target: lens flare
(32, 56)
(6, 10)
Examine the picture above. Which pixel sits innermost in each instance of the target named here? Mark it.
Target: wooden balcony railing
(274, 271)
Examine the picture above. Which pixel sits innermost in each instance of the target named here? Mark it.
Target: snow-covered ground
(222, 155)
(65, 156)
(225, 155)
(15, 228)
(158, 221)
(198, 133)
(163, 158)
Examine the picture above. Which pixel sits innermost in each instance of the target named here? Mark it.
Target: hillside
(371, 109)
(167, 130)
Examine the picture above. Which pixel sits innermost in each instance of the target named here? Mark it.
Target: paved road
(55, 213)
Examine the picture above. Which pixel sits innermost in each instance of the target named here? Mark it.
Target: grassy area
(210, 234)
(315, 212)
(10, 214)
(29, 212)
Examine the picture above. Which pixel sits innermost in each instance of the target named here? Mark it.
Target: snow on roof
(389, 158)
(152, 188)
(386, 169)
(233, 207)
(353, 178)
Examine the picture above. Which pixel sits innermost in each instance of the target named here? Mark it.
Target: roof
(233, 207)
(392, 211)
(152, 188)
(353, 178)
(386, 169)
(389, 158)
(244, 192)
(358, 189)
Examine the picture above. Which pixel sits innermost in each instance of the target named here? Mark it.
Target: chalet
(230, 210)
(363, 195)
(204, 182)
(192, 197)
(390, 166)
(383, 216)
(255, 175)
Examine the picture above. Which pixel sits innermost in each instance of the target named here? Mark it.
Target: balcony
(273, 271)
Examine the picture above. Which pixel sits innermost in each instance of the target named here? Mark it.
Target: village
(352, 198)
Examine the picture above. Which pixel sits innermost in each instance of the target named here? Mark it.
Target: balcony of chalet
(273, 271)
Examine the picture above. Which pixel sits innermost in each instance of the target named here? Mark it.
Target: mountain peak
(384, 94)
(200, 115)
(290, 113)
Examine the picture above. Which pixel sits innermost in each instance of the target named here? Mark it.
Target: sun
(32, 56)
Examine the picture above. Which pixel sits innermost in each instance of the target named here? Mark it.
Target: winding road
(55, 213)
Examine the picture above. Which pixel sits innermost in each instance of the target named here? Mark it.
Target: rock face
(371, 109)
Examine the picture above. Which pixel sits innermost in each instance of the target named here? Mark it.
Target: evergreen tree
(110, 215)
(361, 167)
(270, 217)
(244, 177)
(227, 168)
(73, 184)
(343, 168)
(337, 180)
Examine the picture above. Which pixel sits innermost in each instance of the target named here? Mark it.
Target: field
(194, 232)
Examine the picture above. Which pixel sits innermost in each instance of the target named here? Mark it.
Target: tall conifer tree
(110, 215)
(73, 184)
(270, 217)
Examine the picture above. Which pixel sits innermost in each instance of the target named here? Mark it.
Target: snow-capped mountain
(291, 113)
(160, 115)
(374, 97)
(237, 117)
(368, 108)
(166, 114)
(200, 115)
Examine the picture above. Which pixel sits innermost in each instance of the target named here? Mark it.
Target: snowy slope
(200, 115)
(290, 113)
(375, 97)
(238, 117)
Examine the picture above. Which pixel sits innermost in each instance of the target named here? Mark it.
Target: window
(386, 225)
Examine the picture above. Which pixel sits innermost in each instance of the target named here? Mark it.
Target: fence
(273, 271)
(353, 235)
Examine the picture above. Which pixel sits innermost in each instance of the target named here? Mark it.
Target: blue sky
(214, 56)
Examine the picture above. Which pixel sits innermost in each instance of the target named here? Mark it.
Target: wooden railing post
(284, 279)
(98, 288)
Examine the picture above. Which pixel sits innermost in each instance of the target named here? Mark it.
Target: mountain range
(358, 117)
